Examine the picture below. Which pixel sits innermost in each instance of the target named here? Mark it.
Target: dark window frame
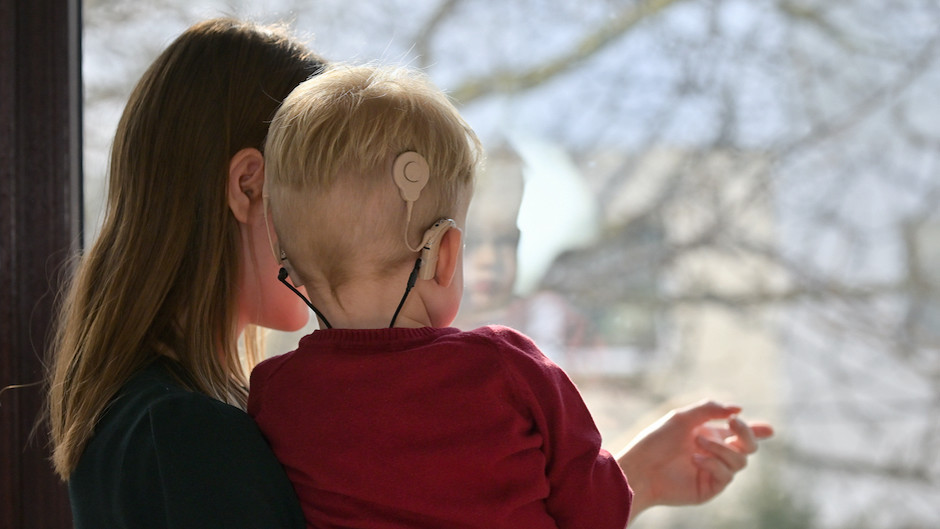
(40, 230)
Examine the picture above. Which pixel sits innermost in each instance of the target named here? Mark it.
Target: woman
(146, 386)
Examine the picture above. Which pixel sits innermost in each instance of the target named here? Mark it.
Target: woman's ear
(448, 256)
(245, 181)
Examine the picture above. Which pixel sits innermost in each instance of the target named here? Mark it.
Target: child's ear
(448, 256)
(245, 181)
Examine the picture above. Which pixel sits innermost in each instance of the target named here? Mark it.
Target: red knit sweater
(436, 428)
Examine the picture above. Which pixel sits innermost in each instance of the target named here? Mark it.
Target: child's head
(329, 164)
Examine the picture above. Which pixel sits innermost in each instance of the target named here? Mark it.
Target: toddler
(387, 417)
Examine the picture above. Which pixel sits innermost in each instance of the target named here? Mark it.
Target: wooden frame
(40, 229)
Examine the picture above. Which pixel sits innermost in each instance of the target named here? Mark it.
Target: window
(683, 199)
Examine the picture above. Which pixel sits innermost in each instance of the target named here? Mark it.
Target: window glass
(722, 198)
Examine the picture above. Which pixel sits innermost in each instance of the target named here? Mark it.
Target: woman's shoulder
(154, 414)
(155, 401)
(161, 449)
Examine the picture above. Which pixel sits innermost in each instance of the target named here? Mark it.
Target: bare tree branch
(427, 32)
(900, 471)
(815, 18)
(513, 81)
(874, 101)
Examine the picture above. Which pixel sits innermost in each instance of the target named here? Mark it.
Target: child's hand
(682, 459)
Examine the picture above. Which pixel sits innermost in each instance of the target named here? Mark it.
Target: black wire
(282, 277)
(411, 283)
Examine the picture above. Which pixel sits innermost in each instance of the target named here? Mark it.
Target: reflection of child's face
(490, 269)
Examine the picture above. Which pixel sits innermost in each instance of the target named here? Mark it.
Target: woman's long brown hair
(161, 278)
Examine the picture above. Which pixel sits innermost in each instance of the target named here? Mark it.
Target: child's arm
(681, 460)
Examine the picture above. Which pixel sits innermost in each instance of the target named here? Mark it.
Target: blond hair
(347, 126)
(160, 280)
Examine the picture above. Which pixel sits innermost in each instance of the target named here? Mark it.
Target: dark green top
(165, 457)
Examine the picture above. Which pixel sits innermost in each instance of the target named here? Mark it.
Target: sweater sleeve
(587, 487)
(216, 470)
